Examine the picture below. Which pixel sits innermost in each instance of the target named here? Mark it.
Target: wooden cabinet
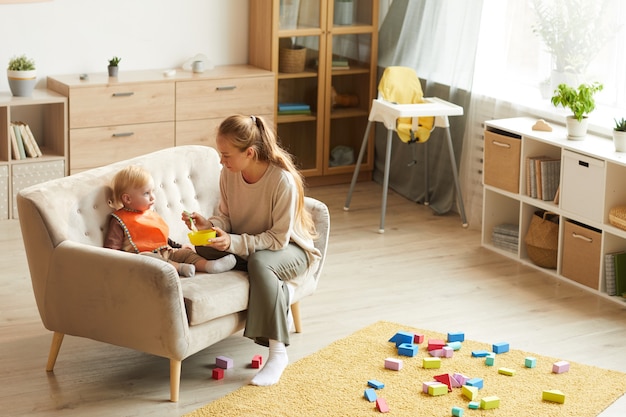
(337, 42)
(45, 113)
(591, 180)
(137, 112)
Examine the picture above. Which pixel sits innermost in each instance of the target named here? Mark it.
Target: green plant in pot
(619, 135)
(113, 68)
(22, 76)
(581, 102)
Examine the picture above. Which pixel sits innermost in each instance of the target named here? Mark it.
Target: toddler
(136, 227)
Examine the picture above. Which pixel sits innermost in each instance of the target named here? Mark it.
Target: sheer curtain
(438, 39)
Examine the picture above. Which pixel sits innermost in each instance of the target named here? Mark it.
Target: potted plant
(581, 102)
(113, 68)
(22, 76)
(619, 135)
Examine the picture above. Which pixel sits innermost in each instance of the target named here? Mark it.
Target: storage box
(4, 192)
(581, 254)
(582, 185)
(25, 175)
(502, 161)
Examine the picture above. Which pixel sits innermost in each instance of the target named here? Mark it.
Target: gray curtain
(439, 40)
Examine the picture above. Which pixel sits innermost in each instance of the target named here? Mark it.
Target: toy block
(218, 373)
(501, 347)
(445, 379)
(455, 345)
(479, 353)
(473, 405)
(257, 361)
(554, 396)
(370, 394)
(393, 364)
(223, 362)
(456, 337)
(560, 367)
(402, 337)
(475, 382)
(437, 389)
(530, 362)
(457, 411)
(460, 377)
(437, 353)
(375, 384)
(455, 382)
(418, 338)
(490, 359)
(448, 352)
(489, 403)
(407, 349)
(469, 392)
(427, 384)
(506, 371)
(381, 405)
(431, 363)
(436, 344)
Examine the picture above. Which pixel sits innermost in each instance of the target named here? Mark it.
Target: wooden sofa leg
(174, 379)
(57, 339)
(295, 312)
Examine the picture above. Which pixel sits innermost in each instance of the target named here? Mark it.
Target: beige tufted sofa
(83, 289)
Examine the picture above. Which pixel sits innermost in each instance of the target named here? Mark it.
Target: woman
(262, 220)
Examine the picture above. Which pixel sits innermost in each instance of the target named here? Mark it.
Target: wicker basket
(542, 239)
(292, 59)
(617, 217)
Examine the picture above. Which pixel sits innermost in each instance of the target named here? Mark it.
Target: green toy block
(469, 392)
(473, 405)
(431, 363)
(489, 403)
(437, 389)
(506, 371)
(554, 396)
(530, 362)
(457, 411)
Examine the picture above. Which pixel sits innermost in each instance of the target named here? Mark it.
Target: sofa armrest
(116, 297)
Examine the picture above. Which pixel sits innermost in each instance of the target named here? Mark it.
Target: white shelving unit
(592, 181)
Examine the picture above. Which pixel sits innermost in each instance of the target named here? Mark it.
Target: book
(33, 140)
(609, 273)
(293, 106)
(28, 146)
(550, 178)
(20, 142)
(14, 148)
(286, 112)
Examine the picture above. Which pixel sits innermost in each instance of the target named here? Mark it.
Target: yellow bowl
(201, 237)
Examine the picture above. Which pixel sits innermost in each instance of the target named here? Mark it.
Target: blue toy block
(454, 345)
(456, 337)
(370, 395)
(530, 362)
(501, 347)
(407, 349)
(473, 405)
(479, 353)
(457, 411)
(402, 337)
(375, 384)
(475, 382)
(490, 359)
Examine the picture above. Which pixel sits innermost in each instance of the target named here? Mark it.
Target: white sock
(277, 361)
(291, 325)
(224, 264)
(186, 270)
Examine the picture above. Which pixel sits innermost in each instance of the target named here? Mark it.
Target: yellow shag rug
(332, 382)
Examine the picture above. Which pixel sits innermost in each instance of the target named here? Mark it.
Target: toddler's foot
(186, 270)
(224, 264)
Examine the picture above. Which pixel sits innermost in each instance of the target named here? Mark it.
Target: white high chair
(401, 107)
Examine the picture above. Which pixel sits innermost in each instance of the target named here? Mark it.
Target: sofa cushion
(209, 296)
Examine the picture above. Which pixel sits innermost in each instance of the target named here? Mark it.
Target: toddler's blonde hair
(133, 176)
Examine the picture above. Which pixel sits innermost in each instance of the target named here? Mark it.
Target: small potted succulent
(619, 135)
(581, 102)
(22, 76)
(113, 68)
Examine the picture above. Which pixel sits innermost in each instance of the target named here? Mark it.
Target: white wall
(79, 36)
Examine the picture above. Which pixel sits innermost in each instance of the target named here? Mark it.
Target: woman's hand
(221, 241)
(200, 222)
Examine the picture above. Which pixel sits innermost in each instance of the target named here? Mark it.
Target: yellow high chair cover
(401, 85)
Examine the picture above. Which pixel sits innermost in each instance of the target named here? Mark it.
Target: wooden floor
(424, 271)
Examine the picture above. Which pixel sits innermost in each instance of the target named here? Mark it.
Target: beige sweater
(260, 216)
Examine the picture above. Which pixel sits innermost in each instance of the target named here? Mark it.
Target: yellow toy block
(431, 363)
(469, 392)
(489, 403)
(554, 396)
(506, 371)
(437, 389)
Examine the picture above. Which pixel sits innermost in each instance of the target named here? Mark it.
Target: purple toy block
(460, 377)
(560, 367)
(223, 362)
(427, 384)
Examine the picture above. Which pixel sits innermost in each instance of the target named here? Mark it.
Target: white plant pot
(576, 130)
(22, 83)
(619, 140)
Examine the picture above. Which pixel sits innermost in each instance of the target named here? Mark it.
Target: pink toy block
(460, 377)
(223, 362)
(257, 361)
(560, 367)
(448, 352)
(434, 344)
(454, 382)
(381, 405)
(427, 384)
(218, 373)
(418, 338)
(436, 353)
(393, 364)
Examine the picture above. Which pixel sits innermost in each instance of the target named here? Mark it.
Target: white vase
(344, 12)
(576, 130)
(619, 140)
(22, 83)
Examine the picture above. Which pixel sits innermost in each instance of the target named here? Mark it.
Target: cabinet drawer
(502, 161)
(204, 131)
(121, 104)
(581, 254)
(31, 173)
(206, 99)
(94, 147)
(582, 186)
